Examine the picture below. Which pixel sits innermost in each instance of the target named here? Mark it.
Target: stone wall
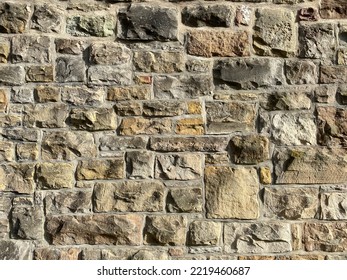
(173, 129)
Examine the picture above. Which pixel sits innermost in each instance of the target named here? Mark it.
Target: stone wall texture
(173, 129)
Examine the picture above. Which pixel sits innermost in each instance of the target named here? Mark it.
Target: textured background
(173, 129)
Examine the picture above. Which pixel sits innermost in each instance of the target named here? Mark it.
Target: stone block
(55, 175)
(12, 75)
(90, 25)
(109, 75)
(27, 223)
(139, 125)
(82, 95)
(128, 108)
(70, 46)
(140, 164)
(300, 72)
(100, 169)
(110, 53)
(251, 149)
(27, 151)
(163, 108)
(70, 69)
(52, 115)
(31, 49)
(111, 143)
(128, 93)
(13, 17)
(6, 151)
(15, 250)
(333, 74)
(39, 74)
(204, 233)
(44, 254)
(334, 206)
(4, 50)
(45, 94)
(17, 177)
(333, 9)
(188, 200)
(190, 126)
(47, 18)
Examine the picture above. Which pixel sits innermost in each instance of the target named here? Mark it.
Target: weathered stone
(139, 125)
(110, 53)
(45, 94)
(50, 115)
(311, 166)
(22, 95)
(17, 177)
(185, 200)
(39, 74)
(31, 49)
(159, 62)
(140, 164)
(265, 175)
(190, 126)
(93, 119)
(45, 254)
(67, 145)
(109, 143)
(194, 144)
(333, 74)
(194, 107)
(55, 175)
(293, 129)
(163, 108)
(20, 134)
(179, 167)
(88, 6)
(148, 22)
(291, 203)
(70, 69)
(165, 230)
(308, 14)
(13, 17)
(70, 46)
(231, 193)
(334, 206)
(4, 50)
(100, 169)
(150, 255)
(333, 9)
(274, 32)
(129, 196)
(208, 15)
(4, 226)
(128, 93)
(341, 57)
(128, 108)
(91, 25)
(10, 120)
(217, 159)
(12, 75)
(27, 151)
(256, 238)
(6, 151)
(218, 43)
(291, 99)
(109, 75)
(15, 250)
(3, 101)
(300, 72)
(204, 233)
(27, 223)
(226, 117)
(325, 93)
(250, 73)
(317, 41)
(47, 18)
(327, 237)
(94, 229)
(250, 149)
(198, 65)
(68, 202)
(332, 127)
(83, 95)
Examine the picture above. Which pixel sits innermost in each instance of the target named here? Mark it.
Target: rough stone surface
(112, 54)
(39, 74)
(70, 69)
(47, 18)
(45, 94)
(333, 74)
(109, 75)
(17, 177)
(27, 223)
(250, 149)
(100, 169)
(4, 50)
(45, 115)
(334, 206)
(140, 164)
(31, 49)
(13, 17)
(139, 125)
(204, 233)
(15, 250)
(185, 200)
(99, 26)
(12, 75)
(93, 119)
(332, 9)
(55, 175)
(301, 72)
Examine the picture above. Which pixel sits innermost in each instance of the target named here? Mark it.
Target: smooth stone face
(55, 175)
(13, 17)
(185, 200)
(17, 177)
(231, 193)
(204, 233)
(15, 250)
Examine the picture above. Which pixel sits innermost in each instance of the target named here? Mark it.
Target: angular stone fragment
(204, 233)
(45, 254)
(334, 206)
(55, 175)
(140, 164)
(190, 126)
(333, 74)
(274, 32)
(159, 62)
(13, 17)
(31, 49)
(100, 169)
(109, 75)
(226, 117)
(139, 125)
(301, 72)
(50, 115)
(70, 46)
(250, 149)
(15, 250)
(179, 167)
(327, 237)
(291, 203)
(231, 193)
(332, 126)
(293, 129)
(12, 75)
(109, 143)
(67, 145)
(291, 99)
(91, 25)
(128, 93)
(311, 166)
(257, 238)
(17, 177)
(250, 73)
(148, 22)
(4, 50)
(208, 15)
(185, 200)
(163, 108)
(68, 202)
(40, 74)
(94, 229)
(333, 9)
(93, 119)
(218, 43)
(47, 18)
(6, 151)
(27, 223)
(45, 94)
(27, 151)
(110, 53)
(165, 230)
(129, 196)
(70, 69)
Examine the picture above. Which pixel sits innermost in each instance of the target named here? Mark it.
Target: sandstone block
(57, 254)
(291, 99)
(15, 250)
(27, 151)
(110, 143)
(50, 115)
(82, 95)
(179, 167)
(128, 93)
(109, 75)
(342, 57)
(12, 75)
(308, 14)
(190, 126)
(70, 69)
(70, 46)
(204, 233)
(39, 74)
(13, 17)
(231, 193)
(45, 94)
(55, 175)
(185, 200)
(27, 223)
(90, 25)
(21, 134)
(17, 177)
(128, 108)
(4, 227)
(334, 206)
(140, 164)
(134, 196)
(22, 95)
(93, 119)
(4, 50)
(333, 74)
(6, 151)
(95, 229)
(110, 53)
(139, 125)
(301, 72)
(31, 49)
(163, 108)
(165, 230)
(250, 149)
(47, 18)
(265, 175)
(333, 9)
(100, 169)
